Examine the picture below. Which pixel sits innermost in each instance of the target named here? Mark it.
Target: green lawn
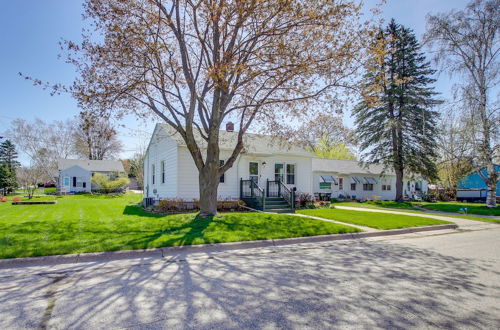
(373, 219)
(472, 208)
(378, 204)
(85, 223)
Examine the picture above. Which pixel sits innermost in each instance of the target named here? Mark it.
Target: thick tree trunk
(491, 197)
(399, 185)
(487, 151)
(209, 183)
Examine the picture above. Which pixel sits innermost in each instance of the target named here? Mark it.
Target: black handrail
(277, 188)
(250, 189)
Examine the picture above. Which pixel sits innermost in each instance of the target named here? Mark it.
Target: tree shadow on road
(344, 284)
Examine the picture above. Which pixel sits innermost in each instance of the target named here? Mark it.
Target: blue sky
(31, 29)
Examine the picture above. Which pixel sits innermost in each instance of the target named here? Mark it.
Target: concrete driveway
(424, 280)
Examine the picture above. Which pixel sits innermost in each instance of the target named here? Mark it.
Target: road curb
(158, 253)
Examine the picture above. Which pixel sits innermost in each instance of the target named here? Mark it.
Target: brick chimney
(230, 126)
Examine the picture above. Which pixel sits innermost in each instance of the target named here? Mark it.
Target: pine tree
(7, 178)
(8, 165)
(8, 155)
(395, 123)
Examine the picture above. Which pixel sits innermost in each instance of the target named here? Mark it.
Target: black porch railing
(249, 189)
(277, 188)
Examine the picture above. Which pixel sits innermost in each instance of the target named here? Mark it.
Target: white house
(347, 178)
(75, 175)
(266, 165)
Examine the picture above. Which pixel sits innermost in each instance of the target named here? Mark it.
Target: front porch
(275, 196)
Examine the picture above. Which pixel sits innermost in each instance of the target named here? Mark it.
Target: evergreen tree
(395, 123)
(7, 179)
(8, 155)
(8, 165)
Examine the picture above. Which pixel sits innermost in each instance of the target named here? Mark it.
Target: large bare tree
(43, 142)
(198, 63)
(467, 43)
(96, 138)
(455, 149)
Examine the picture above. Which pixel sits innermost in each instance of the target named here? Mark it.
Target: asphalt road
(427, 280)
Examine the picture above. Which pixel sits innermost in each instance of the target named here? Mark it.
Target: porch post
(241, 188)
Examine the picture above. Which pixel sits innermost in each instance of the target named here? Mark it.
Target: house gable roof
(92, 165)
(253, 143)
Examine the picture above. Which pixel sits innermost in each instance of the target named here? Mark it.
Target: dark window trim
(368, 186)
(290, 178)
(222, 178)
(162, 171)
(278, 176)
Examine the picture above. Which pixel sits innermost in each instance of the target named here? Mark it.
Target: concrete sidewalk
(462, 223)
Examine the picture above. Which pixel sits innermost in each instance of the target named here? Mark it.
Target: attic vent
(230, 127)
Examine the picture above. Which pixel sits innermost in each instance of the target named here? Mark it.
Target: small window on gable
(222, 178)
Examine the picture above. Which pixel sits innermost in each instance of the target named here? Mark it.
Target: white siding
(75, 171)
(188, 177)
(303, 169)
(359, 193)
(161, 148)
(188, 173)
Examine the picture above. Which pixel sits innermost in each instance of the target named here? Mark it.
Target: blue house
(473, 188)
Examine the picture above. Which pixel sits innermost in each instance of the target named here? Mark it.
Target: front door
(253, 171)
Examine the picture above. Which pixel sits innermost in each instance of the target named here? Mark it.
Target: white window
(253, 170)
(162, 171)
(222, 178)
(290, 173)
(282, 171)
(279, 172)
(80, 182)
(341, 183)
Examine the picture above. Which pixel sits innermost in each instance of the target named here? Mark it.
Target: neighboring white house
(347, 178)
(170, 172)
(75, 175)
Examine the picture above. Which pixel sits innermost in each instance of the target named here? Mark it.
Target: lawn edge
(216, 247)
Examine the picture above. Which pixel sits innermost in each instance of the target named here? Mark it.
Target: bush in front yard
(179, 205)
(107, 186)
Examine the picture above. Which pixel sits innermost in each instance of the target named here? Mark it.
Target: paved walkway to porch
(462, 223)
(423, 209)
(363, 228)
